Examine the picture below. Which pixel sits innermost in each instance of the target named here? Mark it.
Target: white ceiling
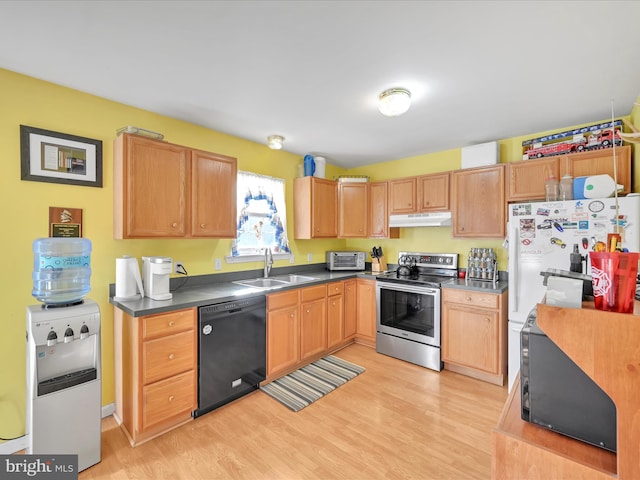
(312, 70)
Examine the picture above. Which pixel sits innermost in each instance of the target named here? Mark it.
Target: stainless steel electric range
(408, 307)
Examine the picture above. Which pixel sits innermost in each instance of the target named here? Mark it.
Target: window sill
(256, 258)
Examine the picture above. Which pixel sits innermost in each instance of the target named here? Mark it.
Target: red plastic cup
(614, 280)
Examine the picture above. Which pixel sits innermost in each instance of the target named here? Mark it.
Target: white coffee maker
(155, 273)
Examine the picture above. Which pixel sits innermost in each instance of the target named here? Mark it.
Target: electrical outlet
(218, 264)
(178, 267)
(309, 257)
(292, 259)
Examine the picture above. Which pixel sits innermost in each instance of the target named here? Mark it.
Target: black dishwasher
(231, 351)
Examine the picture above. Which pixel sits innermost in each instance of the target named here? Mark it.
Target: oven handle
(401, 287)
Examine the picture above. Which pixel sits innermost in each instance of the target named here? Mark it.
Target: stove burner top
(428, 269)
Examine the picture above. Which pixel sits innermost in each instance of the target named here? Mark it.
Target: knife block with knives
(378, 263)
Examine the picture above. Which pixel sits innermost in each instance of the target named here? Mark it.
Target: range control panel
(429, 260)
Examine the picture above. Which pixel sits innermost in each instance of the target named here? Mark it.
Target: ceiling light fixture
(275, 141)
(394, 101)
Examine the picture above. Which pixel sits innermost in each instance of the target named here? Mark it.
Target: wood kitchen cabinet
(403, 196)
(474, 334)
(283, 332)
(353, 209)
(313, 320)
(478, 201)
(163, 190)
(335, 314)
(350, 309)
(315, 208)
(526, 178)
(379, 212)
(433, 192)
(366, 308)
(156, 372)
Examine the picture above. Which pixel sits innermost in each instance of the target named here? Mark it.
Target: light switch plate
(218, 264)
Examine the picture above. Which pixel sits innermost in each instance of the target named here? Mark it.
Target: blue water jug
(61, 269)
(309, 166)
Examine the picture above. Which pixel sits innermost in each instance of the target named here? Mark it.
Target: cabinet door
(325, 208)
(402, 196)
(151, 182)
(283, 339)
(353, 202)
(470, 337)
(526, 178)
(335, 320)
(433, 193)
(350, 308)
(213, 195)
(600, 162)
(479, 207)
(313, 328)
(366, 299)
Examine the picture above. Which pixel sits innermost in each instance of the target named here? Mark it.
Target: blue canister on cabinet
(309, 166)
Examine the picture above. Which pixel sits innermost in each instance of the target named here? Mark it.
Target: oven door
(408, 311)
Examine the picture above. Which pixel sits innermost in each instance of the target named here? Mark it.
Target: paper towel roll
(128, 280)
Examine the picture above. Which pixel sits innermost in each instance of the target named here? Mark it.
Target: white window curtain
(262, 216)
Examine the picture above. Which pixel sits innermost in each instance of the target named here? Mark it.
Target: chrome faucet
(268, 262)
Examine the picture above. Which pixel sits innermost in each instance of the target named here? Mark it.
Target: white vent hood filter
(432, 219)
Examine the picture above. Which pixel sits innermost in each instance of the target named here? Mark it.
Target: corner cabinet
(474, 334)
(155, 372)
(353, 202)
(315, 208)
(478, 200)
(163, 190)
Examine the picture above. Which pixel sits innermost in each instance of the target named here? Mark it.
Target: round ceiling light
(394, 101)
(275, 141)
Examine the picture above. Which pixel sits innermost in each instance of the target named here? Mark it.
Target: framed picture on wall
(54, 157)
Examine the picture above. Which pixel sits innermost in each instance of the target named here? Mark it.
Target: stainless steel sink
(296, 278)
(262, 283)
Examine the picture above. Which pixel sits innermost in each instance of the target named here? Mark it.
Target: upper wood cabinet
(315, 208)
(478, 200)
(379, 212)
(353, 209)
(433, 192)
(163, 190)
(526, 178)
(403, 196)
(213, 185)
(599, 162)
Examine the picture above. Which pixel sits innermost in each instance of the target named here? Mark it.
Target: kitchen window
(262, 218)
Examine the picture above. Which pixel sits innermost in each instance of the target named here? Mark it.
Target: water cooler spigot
(68, 335)
(52, 338)
(84, 332)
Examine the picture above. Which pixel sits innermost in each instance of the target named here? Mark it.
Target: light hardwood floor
(395, 421)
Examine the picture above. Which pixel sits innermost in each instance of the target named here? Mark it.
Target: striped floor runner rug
(301, 388)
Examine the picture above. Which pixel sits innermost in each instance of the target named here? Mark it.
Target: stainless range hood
(431, 219)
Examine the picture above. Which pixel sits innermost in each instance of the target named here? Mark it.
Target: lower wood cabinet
(156, 372)
(350, 309)
(366, 310)
(313, 321)
(474, 334)
(283, 332)
(335, 314)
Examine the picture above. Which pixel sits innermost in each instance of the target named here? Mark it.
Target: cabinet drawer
(313, 293)
(168, 398)
(168, 323)
(336, 288)
(468, 297)
(281, 300)
(167, 356)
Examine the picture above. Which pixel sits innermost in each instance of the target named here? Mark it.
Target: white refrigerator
(542, 235)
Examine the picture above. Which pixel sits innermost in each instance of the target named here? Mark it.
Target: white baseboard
(12, 446)
(108, 410)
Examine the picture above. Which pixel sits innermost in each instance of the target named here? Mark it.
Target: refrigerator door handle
(514, 248)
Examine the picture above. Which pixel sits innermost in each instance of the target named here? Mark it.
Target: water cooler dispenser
(64, 393)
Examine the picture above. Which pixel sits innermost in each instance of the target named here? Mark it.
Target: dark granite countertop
(202, 290)
(477, 285)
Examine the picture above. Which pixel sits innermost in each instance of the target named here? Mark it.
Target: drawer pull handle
(171, 356)
(171, 398)
(468, 299)
(202, 225)
(174, 225)
(172, 323)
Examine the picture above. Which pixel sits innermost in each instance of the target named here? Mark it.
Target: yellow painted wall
(27, 101)
(25, 206)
